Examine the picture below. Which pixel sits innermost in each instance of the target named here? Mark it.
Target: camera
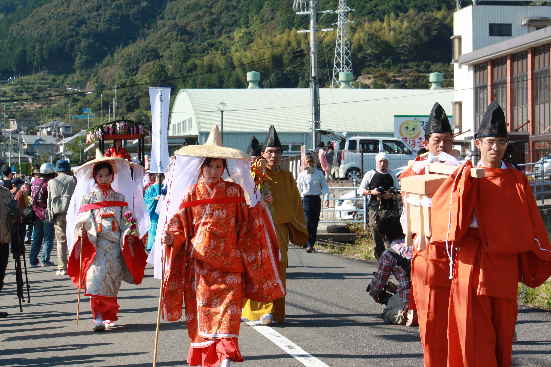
(391, 190)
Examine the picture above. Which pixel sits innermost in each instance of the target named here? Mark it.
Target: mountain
(97, 45)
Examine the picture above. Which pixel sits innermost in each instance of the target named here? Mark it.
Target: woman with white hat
(211, 248)
(105, 224)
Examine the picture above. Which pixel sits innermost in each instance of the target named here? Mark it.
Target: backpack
(39, 201)
(60, 199)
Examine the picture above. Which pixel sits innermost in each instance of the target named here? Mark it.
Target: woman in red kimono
(117, 151)
(217, 252)
(103, 236)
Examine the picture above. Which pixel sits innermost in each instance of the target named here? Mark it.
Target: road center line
(288, 346)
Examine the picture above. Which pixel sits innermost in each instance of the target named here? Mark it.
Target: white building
(249, 112)
(478, 26)
(55, 128)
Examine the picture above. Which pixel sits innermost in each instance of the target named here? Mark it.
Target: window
(369, 146)
(294, 147)
(352, 145)
(395, 147)
(458, 115)
(501, 29)
(480, 92)
(342, 144)
(456, 41)
(542, 98)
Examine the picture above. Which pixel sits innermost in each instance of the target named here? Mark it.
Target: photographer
(394, 261)
(379, 185)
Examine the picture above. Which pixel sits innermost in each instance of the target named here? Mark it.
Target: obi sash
(102, 204)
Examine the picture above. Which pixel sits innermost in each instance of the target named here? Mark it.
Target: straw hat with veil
(183, 173)
(127, 179)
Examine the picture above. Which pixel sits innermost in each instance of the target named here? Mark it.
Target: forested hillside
(97, 45)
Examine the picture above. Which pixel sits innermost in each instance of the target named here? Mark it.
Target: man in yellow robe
(288, 216)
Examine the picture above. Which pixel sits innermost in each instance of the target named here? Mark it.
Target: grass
(537, 297)
(362, 248)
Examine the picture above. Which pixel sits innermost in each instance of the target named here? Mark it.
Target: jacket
(7, 213)
(60, 190)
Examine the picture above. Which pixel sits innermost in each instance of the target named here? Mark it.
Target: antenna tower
(343, 51)
(311, 8)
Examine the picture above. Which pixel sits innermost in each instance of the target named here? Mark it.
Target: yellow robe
(288, 216)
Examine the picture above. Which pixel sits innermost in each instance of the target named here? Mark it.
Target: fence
(539, 179)
(345, 206)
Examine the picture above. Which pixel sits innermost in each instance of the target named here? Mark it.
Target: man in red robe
(490, 249)
(429, 270)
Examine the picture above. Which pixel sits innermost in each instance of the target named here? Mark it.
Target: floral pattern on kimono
(213, 250)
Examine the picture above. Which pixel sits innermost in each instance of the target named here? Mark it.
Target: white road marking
(288, 346)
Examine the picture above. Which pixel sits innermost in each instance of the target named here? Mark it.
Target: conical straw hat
(101, 158)
(212, 148)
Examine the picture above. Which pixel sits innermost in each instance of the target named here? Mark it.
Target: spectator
(22, 196)
(311, 185)
(43, 229)
(7, 214)
(329, 157)
(151, 198)
(394, 261)
(8, 176)
(60, 190)
(35, 174)
(25, 192)
(322, 157)
(378, 183)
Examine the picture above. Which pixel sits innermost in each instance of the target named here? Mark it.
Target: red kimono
(217, 255)
(506, 244)
(431, 290)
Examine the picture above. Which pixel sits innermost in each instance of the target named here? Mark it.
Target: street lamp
(221, 107)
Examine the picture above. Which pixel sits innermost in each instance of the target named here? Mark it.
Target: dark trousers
(375, 216)
(4, 255)
(312, 210)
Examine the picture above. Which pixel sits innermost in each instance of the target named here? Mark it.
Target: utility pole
(19, 154)
(343, 52)
(115, 104)
(9, 152)
(312, 9)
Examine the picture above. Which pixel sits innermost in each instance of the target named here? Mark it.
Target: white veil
(183, 173)
(122, 183)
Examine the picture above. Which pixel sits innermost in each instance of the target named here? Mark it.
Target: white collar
(503, 165)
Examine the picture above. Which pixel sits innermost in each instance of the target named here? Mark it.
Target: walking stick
(156, 347)
(79, 279)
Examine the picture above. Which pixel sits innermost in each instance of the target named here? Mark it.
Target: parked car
(348, 163)
(542, 167)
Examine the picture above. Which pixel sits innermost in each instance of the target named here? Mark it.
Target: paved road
(329, 316)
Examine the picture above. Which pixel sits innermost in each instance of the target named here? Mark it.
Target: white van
(349, 156)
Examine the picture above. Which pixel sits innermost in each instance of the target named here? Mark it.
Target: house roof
(509, 46)
(253, 110)
(71, 138)
(36, 139)
(54, 123)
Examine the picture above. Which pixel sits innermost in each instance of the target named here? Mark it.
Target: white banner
(160, 105)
